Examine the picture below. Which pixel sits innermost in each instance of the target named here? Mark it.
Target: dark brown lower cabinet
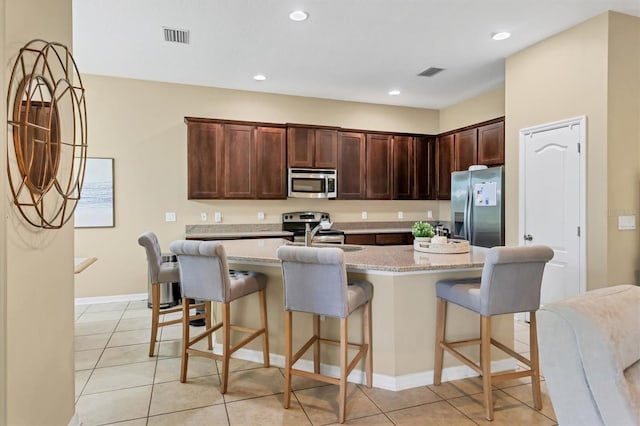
(383, 239)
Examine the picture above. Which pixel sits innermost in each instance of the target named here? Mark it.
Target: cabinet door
(379, 178)
(491, 144)
(239, 161)
(425, 168)
(204, 160)
(271, 175)
(466, 149)
(300, 146)
(351, 166)
(403, 167)
(445, 161)
(360, 239)
(326, 149)
(393, 239)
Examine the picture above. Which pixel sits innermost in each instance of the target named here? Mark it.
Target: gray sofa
(590, 356)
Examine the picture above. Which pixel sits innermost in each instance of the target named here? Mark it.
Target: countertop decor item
(448, 247)
(422, 230)
(47, 121)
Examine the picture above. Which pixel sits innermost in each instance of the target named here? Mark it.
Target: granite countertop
(370, 258)
(231, 231)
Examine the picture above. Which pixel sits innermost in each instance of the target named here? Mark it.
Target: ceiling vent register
(430, 72)
(174, 35)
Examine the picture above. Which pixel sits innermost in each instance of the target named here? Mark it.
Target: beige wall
(141, 125)
(475, 110)
(569, 75)
(623, 154)
(37, 271)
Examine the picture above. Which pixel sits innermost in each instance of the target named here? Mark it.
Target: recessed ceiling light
(298, 15)
(260, 77)
(501, 35)
(394, 92)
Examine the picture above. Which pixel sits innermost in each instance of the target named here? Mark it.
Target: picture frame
(95, 208)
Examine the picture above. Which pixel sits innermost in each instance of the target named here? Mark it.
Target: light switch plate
(170, 217)
(627, 223)
(203, 216)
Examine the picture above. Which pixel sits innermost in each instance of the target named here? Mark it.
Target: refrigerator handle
(466, 229)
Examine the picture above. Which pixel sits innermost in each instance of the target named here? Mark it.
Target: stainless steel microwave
(313, 183)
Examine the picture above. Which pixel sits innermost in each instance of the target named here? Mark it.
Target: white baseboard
(110, 299)
(381, 381)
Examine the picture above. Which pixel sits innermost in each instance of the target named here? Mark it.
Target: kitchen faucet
(310, 233)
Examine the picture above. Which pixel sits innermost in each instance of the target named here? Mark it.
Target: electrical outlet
(364, 215)
(400, 215)
(260, 215)
(170, 217)
(217, 217)
(429, 214)
(203, 216)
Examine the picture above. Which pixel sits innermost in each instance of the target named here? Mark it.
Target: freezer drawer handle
(528, 237)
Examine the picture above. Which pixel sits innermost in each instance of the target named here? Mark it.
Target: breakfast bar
(403, 309)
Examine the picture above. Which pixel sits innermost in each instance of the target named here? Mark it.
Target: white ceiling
(356, 50)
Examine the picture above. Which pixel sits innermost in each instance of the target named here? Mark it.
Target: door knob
(528, 237)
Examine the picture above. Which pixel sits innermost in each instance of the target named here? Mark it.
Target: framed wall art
(95, 208)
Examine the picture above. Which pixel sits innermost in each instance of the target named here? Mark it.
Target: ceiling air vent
(175, 35)
(430, 72)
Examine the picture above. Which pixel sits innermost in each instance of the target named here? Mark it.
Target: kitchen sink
(343, 247)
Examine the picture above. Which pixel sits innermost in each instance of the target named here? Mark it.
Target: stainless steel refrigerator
(477, 206)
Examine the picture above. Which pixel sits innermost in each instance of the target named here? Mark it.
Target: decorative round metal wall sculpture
(47, 143)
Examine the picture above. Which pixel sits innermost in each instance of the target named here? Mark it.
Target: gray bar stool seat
(160, 272)
(205, 275)
(510, 283)
(315, 282)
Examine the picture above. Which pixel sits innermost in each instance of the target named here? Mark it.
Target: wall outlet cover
(203, 216)
(364, 215)
(400, 215)
(170, 217)
(429, 214)
(217, 217)
(260, 215)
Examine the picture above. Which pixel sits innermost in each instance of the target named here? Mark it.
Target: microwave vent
(175, 35)
(430, 72)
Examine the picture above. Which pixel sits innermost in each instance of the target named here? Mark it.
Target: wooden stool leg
(367, 333)
(185, 340)
(226, 340)
(535, 362)
(288, 337)
(343, 370)
(316, 345)
(155, 316)
(441, 317)
(207, 322)
(265, 335)
(485, 363)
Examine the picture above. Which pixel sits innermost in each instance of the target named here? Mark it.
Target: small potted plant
(422, 231)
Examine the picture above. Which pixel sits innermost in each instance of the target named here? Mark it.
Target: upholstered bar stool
(510, 283)
(205, 275)
(315, 282)
(160, 273)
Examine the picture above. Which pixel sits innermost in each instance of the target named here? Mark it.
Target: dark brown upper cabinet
(235, 160)
(351, 166)
(424, 149)
(465, 149)
(378, 170)
(271, 176)
(444, 166)
(204, 158)
(309, 147)
(491, 144)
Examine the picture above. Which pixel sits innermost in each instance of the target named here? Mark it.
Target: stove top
(296, 222)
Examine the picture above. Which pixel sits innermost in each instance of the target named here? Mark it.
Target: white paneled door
(552, 202)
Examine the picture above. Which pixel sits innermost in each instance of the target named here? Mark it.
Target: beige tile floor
(117, 383)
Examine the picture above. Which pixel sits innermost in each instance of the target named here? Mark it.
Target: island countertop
(369, 258)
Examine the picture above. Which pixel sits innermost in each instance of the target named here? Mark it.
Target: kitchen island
(403, 310)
